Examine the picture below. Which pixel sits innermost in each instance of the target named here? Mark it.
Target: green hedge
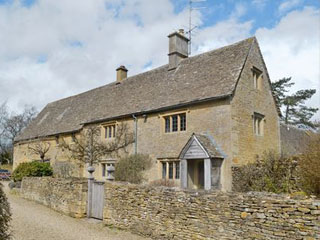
(32, 169)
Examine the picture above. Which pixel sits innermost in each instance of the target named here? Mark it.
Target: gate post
(90, 186)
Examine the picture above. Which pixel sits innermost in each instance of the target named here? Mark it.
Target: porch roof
(206, 143)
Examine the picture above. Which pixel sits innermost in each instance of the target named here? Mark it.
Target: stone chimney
(121, 73)
(178, 48)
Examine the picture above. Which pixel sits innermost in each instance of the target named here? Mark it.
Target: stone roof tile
(209, 75)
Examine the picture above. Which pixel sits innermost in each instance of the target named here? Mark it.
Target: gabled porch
(201, 161)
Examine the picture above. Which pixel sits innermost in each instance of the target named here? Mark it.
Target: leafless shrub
(63, 169)
(162, 182)
(131, 169)
(309, 168)
(272, 173)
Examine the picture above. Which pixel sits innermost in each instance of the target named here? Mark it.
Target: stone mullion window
(258, 122)
(167, 124)
(109, 131)
(175, 123)
(257, 78)
(170, 170)
(177, 170)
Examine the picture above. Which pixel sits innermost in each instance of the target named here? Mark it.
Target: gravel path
(31, 221)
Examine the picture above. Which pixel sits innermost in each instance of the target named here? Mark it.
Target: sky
(51, 49)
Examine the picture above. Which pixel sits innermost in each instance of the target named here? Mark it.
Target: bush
(271, 173)
(131, 168)
(5, 215)
(163, 183)
(309, 168)
(32, 169)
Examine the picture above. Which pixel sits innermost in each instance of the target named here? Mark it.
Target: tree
(39, 148)
(15, 123)
(11, 124)
(88, 147)
(294, 110)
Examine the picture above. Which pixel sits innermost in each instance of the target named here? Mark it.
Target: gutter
(172, 107)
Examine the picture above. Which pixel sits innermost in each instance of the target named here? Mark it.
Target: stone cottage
(196, 117)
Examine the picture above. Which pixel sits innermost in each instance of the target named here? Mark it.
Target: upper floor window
(110, 131)
(257, 78)
(258, 120)
(175, 123)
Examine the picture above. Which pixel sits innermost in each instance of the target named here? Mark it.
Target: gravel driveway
(31, 221)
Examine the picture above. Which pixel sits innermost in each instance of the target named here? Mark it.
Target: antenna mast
(191, 28)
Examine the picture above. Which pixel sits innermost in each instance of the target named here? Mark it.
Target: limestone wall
(164, 213)
(67, 196)
(247, 100)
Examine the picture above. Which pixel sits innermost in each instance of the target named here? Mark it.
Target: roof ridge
(221, 48)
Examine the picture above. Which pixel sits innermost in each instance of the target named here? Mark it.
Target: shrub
(271, 173)
(32, 169)
(131, 168)
(5, 215)
(63, 169)
(162, 182)
(309, 168)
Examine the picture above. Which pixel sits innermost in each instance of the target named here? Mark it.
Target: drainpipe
(135, 134)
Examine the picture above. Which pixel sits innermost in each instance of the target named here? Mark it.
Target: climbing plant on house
(89, 148)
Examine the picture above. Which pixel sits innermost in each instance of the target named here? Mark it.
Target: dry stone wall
(169, 213)
(68, 196)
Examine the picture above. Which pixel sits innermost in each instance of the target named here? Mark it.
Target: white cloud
(292, 48)
(104, 40)
(288, 5)
(81, 43)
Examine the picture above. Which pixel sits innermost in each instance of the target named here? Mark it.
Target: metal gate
(97, 200)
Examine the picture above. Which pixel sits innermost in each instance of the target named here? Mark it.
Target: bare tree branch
(40, 148)
(89, 148)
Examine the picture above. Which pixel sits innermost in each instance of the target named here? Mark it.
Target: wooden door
(97, 200)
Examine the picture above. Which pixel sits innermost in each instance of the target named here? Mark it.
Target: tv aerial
(192, 27)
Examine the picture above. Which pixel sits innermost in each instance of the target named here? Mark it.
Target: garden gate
(97, 200)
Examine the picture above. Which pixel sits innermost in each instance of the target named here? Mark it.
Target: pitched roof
(208, 144)
(202, 77)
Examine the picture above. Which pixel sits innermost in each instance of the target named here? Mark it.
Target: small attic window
(257, 78)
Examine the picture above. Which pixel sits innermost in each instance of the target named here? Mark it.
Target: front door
(195, 173)
(97, 200)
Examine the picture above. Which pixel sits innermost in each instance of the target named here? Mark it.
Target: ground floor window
(108, 170)
(170, 169)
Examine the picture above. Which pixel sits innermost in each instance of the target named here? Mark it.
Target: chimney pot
(121, 73)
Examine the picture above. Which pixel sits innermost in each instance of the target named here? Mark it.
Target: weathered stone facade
(165, 213)
(247, 100)
(228, 119)
(68, 196)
